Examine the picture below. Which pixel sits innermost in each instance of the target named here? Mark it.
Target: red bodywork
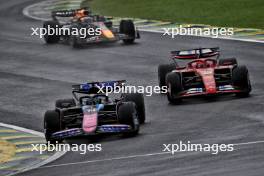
(204, 68)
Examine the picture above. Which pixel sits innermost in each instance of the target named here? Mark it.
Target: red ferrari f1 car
(204, 74)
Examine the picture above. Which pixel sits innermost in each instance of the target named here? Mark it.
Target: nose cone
(89, 123)
(211, 90)
(208, 80)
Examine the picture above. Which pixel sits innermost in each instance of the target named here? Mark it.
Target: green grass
(228, 13)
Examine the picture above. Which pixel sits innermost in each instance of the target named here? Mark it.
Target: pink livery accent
(89, 123)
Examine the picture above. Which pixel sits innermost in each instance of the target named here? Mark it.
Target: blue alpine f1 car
(91, 112)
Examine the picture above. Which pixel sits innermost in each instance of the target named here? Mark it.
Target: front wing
(226, 89)
(118, 128)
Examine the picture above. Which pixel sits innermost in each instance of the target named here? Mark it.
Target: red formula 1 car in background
(204, 74)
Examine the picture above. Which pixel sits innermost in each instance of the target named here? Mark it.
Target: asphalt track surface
(33, 75)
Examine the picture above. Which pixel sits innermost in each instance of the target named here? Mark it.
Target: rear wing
(195, 53)
(70, 13)
(96, 87)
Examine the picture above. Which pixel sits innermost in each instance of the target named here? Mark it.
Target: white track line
(27, 14)
(222, 38)
(37, 133)
(108, 159)
(133, 156)
(248, 143)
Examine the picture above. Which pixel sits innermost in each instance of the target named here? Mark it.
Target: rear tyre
(230, 61)
(174, 84)
(65, 103)
(138, 99)
(127, 114)
(240, 79)
(51, 39)
(51, 125)
(163, 70)
(127, 27)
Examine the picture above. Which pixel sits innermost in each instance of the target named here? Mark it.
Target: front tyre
(51, 125)
(127, 114)
(174, 85)
(138, 99)
(241, 81)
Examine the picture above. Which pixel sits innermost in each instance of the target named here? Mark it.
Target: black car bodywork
(67, 20)
(90, 112)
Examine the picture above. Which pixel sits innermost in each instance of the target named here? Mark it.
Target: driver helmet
(88, 101)
(81, 13)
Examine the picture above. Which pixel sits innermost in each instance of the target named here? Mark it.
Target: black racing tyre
(127, 114)
(51, 39)
(65, 103)
(74, 42)
(163, 70)
(174, 84)
(51, 125)
(240, 79)
(138, 99)
(127, 27)
(229, 61)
